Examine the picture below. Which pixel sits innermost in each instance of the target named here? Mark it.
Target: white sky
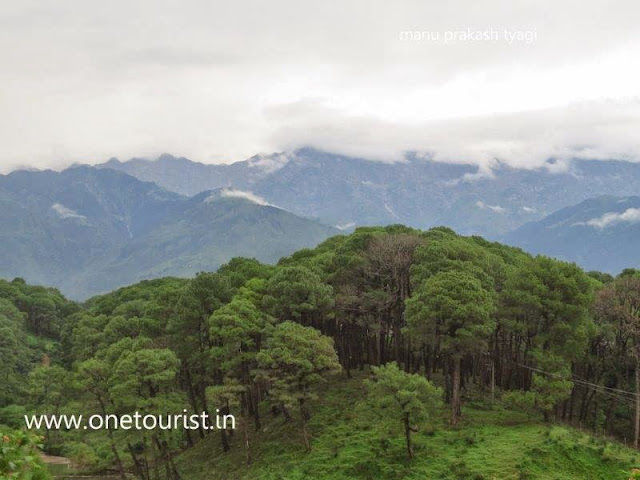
(82, 80)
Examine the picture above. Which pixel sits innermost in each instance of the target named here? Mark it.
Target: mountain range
(87, 230)
(345, 192)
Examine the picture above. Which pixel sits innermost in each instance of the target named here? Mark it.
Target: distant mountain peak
(112, 162)
(168, 158)
(270, 163)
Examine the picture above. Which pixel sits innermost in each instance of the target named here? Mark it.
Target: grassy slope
(350, 441)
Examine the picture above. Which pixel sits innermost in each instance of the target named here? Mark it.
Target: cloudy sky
(518, 82)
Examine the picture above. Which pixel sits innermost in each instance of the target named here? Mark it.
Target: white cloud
(345, 225)
(64, 212)
(233, 193)
(494, 208)
(603, 129)
(85, 81)
(631, 215)
(269, 163)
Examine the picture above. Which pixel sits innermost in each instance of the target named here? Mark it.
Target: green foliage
(452, 307)
(237, 331)
(30, 323)
(470, 315)
(240, 270)
(298, 294)
(294, 360)
(547, 303)
(13, 415)
(19, 458)
(138, 378)
(46, 387)
(44, 308)
(550, 388)
(629, 272)
(82, 454)
(406, 393)
(601, 277)
(409, 397)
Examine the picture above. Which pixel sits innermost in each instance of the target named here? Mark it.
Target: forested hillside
(30, 322)
(388, 353)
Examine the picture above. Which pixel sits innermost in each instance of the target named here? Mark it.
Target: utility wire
(604, 390)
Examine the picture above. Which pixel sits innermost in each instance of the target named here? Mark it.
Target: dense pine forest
(387, 353)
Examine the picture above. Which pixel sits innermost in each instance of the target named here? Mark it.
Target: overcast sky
(82, 81)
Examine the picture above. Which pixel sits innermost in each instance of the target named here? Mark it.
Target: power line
(583, 382)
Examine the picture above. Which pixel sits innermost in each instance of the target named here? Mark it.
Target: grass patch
(353, 441)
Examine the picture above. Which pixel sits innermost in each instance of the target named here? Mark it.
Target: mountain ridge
(87, 230)
(422, 193)
(599, 233)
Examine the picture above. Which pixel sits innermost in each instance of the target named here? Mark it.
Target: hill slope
(89, 230)
(352, 441)
(599, 234)
(53, 224)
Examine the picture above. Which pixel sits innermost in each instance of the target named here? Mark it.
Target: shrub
(19, 457)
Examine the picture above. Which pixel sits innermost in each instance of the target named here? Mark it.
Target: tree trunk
(305, 433)
(636, 432)
(455, 392)
(407, 434)
(493, 380)
(192, 396)
(610, 413)
(187, 435)
(256, 409)
(448, 375)
(137, 467)
(174, 469)
(224, 440)
(285, 412)
(116, 456)
(245, 430)
(114, 449)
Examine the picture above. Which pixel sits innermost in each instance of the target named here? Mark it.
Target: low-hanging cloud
(223, 81)
(595, 130)
(65, 212)
(252, 197)
(494, 208)
(631, 215)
